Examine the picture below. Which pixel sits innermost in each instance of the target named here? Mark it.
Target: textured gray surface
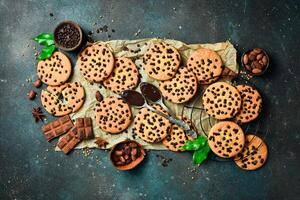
(30, 169)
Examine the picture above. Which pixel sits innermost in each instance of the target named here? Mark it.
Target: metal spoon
(152, 93)
(136, 99)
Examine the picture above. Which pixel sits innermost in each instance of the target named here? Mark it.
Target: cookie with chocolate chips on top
(226, 139)
(55, 70)
(221, 100)
(73, 98)
(113, 115)
(54, 105)
(177, 137)
(125, 76)
(254, 154)
(251, 104)
(181, 88)
(96, 62)
(161, 61)
(150, 126)
(206, 65)
(74, 95)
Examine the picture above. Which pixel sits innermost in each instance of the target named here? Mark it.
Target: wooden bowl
(132, 164)
(74, 25)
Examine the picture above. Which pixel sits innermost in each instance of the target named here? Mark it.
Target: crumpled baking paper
(135, 50)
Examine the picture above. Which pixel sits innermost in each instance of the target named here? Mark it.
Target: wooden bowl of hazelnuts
(127, 155)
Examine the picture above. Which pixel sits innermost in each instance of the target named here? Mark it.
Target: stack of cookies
(234, 105)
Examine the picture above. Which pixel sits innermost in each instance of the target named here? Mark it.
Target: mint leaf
(193, 145)
(201, 140)
(45, 39)
(46, 52)
(200, 155)
(190, 146)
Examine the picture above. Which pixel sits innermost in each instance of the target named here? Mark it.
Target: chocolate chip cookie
(181, 88)
(206, 65)
(113, 115)
(161, 61)
(226, 139)
(96, 62)
(221, 100)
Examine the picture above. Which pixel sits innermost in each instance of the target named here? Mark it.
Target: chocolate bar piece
(57, 127)
(69, 141)
(85, 127)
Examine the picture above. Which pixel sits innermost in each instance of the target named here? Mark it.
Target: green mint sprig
(200, 148)
(47, 40)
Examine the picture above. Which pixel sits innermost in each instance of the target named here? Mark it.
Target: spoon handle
(176, 121)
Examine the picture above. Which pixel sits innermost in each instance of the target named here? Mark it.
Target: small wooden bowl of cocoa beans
(127, 155)
(255, 61)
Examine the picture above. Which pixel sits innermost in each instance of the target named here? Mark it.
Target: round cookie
(221, 100)
(226, 139)
(53, 105)
(254, 154)
(181, 88)
(56, 90)
(161, 61)
(73, 98)
(150, 126)
(177, 137)
(206, 65)
(113, 115)
(125, 76)
(74, 95)
(251, 104)
(55, 70)
(96, 62)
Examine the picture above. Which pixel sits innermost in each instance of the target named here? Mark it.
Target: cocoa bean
(245, 59)
(122, 159)
(133, 152)
(259, 56)
(248, 67)
(31, 94)
(265, 60)
(252, 56)
(119, 153)
(37, 83)
(99, 96)
(257, 50)
(256, 71)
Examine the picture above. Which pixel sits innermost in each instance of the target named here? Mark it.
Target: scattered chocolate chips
(255, 61)
(51, 14)
(37, 83)
(163, 160)
(37, 114)
(31, 95)
(103, 29)
(99, 96)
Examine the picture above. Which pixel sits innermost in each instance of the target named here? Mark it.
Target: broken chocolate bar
(57, 127)
(70, 140)
(85, 127)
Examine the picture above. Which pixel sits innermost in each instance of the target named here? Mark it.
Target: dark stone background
(29, 167)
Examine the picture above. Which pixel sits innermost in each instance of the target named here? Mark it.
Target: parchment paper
(130, 48)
